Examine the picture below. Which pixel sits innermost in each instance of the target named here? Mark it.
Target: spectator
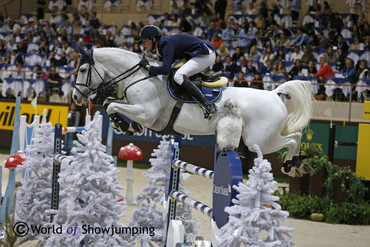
(330, 56)
(219, 22)
(295, 7)
(367, 43)
(205, 20)
(250, 69)
(260, 22)
(220, 8)
(362, 71)
(301, 38)
(73, 120)
(237, 54)
(340, 60)
(257, 40)
(227, 34)
(349, 70)
(216, 40)
(240, 80)
(3, 47)
(280, 54)
(16, 57)
(342, 44)
(283, 42)
(254, 54)
(268, 54)
(186, 10)
(297, 54)
(279, 68)
(223, 51)
(39, 73)
(41, 5)
(324, 73)
(239, 10)
(251, 10)
(22, 46)
(314, 7)
(263, 10)
(326, 10)
(307, 56)
(51, 59)
(175, 9)
(87, 38)
(94, 21)
(356, 44)
(242, 64)
(18, 73)
(185, 26)
(311, 68)
(257, 81)
(54, 81)
(323, 42)
(211, 30)
(230, 68)
(244, 38)
(56, 47)
(296, 70)
(62, 61)
(218, 66)
(267, 69)
(174, 21)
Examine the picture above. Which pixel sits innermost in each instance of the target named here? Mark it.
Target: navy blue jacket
(172, 48)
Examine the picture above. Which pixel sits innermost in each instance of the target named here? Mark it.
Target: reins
(110, 83)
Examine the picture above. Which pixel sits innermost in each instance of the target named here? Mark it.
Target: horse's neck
(116, 61)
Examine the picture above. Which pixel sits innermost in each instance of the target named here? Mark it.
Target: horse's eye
(82, 70)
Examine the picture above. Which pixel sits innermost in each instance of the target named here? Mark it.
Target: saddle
(210, 85)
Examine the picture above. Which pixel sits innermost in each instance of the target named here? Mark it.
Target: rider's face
(147, 44)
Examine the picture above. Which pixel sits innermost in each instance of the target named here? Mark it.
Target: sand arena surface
(306, 234)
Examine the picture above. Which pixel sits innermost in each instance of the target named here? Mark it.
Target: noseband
(106, 85)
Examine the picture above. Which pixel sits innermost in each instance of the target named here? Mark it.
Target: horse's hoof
(135, 127)
(128, 133)
(305, 169)
(290, 170)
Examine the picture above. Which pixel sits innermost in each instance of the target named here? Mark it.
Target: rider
(200, 54)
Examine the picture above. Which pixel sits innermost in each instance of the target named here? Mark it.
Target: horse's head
(89, 76)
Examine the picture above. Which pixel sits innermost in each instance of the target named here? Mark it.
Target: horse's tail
(300, 93)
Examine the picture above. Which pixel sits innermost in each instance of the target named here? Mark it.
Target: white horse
(265, 118)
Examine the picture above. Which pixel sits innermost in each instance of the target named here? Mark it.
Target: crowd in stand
(251, 43)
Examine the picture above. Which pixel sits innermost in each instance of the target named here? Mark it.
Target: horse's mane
(115, 49)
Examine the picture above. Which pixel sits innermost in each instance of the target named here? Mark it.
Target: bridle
(106, 85)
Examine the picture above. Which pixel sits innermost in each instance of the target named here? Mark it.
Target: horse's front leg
(120, 124)
(144, 114)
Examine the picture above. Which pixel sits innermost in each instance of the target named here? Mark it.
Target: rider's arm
(167, 51)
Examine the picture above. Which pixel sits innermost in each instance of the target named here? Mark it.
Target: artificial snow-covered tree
(153, 194)
(255, 218)
(34, 195)
(88, 185)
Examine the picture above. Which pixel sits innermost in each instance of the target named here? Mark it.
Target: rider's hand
(144, 63)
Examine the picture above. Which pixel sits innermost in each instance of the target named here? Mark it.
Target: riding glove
(144, 63)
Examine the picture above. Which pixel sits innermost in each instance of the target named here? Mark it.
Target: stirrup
(209, 109)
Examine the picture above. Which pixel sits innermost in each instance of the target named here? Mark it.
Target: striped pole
(194, 169)
(193, 203)
(63, 159)
(72, 129)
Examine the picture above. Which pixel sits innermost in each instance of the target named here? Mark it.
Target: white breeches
(194, 65)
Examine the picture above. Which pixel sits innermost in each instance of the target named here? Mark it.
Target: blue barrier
(226, 174)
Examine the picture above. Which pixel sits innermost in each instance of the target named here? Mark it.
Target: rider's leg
(192, 67)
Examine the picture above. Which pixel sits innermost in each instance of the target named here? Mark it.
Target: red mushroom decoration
(15, 159)
(130, 153)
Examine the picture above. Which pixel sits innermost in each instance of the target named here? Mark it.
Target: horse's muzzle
(77, 98)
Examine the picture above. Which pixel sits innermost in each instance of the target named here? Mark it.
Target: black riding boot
(197, 94)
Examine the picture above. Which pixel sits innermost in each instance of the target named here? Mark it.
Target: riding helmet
(148, 32)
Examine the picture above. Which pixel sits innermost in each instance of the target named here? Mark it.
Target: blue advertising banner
(151, 136)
